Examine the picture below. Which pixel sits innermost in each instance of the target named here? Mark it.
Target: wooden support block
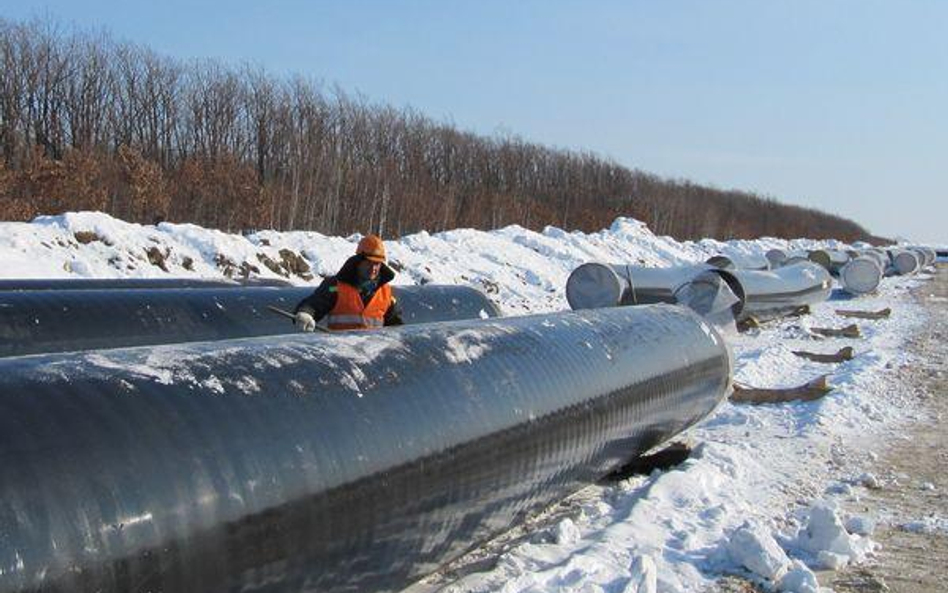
(850, 331)
(843, 354)
(880, 314)
(812, 390)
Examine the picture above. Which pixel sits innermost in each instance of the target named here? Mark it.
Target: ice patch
(466, 346)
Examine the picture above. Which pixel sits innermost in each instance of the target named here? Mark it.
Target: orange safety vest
(350, 313)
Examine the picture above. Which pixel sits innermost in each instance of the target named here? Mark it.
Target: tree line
(87, 122)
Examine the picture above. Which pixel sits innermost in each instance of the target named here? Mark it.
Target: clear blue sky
(837, 104)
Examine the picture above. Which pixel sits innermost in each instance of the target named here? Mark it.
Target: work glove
(304, 321)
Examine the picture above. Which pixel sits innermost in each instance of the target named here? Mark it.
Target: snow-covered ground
(758, 497)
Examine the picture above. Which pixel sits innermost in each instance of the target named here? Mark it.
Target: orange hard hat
(372, 248)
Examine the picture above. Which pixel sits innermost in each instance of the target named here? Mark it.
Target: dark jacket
(323, 299)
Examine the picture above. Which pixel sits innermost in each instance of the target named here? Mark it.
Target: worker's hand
(304, 321)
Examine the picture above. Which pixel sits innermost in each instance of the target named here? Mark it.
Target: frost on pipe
(351, 462)
(595, 285)
(46, 321)
(861, 275)
(131, 283)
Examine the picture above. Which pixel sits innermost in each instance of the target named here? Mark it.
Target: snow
(826, 540)
(754, 548)
(758, 497)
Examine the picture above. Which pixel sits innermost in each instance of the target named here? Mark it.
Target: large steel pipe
(131, 283)
(46, 321)
(595, 285)
(904, 262)
(861, 275)
(776, 257)
(352, 462)
(762, 294)
(777, 292)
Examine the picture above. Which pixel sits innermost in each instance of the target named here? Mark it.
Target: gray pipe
(762, 294)
(861, 275)
(348, 462)
(925, 255)
(595, 285)
(772, 294)
(904, 262)
(776, 257)
(46, 321)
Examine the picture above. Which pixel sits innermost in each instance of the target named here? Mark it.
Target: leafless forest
(87, 122)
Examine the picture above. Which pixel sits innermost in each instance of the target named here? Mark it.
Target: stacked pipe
(322, 462)
(47, 320)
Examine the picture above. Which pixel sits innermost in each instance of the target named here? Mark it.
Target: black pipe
(47, 321)
(316, 462)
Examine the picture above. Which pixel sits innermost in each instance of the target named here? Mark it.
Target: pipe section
(46, 321)
(926, 256)
(904, 262)
(595, 285)
(861, 275)
(762, 294)
(772, 294)
(314, 462)
(776, 257)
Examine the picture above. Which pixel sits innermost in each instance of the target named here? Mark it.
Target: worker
(357, 297)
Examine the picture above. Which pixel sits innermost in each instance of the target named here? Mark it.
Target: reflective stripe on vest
(351, 313)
